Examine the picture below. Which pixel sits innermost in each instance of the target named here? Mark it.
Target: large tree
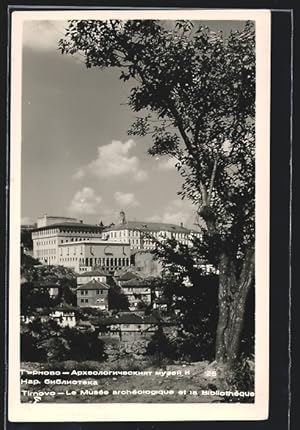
(195, 92)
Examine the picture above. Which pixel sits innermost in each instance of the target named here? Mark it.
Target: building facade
(82, 256)
(94, 294)
(130, 325)
(137, 292)
(142, 234)
(64, 317)
(47, 239)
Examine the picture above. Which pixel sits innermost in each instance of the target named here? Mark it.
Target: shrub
(160, 347)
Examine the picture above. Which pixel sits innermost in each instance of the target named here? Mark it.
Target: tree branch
(212, 179)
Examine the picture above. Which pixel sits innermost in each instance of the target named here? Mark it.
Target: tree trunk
(232, 298)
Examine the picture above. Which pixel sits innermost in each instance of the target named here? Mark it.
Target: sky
(77, 159)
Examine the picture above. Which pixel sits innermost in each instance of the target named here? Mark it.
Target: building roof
(132, 318)
(139, 283)
(149, 226)
(46, 284)
(94, 285)
(93, 273)
(70, 226)
(128, 276)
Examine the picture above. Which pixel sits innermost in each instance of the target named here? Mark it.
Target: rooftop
(46, 284)
(148, 226)
(128, 276)
(94, 285)
(139, 283)
(132, 318)
(70, 225)
(93, 273)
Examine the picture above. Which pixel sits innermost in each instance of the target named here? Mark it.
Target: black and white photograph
(139, 215)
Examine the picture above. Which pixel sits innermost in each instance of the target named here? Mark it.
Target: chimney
(81, 221)
(181, 224)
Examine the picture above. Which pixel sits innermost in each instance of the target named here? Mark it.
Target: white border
(18, 411)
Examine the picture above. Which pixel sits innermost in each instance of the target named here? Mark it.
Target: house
(97, 275)
(93, 294)
(127, 276)
(65, 317)
(52, 286)
(137, 292)
(133, 326)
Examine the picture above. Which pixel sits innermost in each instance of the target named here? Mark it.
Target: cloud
(43, 34)
(113, 160)
(167, 164)
(126, 199)
(78, 174)
(85, 201)
(177, 212)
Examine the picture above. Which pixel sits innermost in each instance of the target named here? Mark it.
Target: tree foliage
(47, 341)
(200, 91)
(116, 299)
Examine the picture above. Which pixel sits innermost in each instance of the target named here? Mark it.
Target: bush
(47, 341)
(160, 347)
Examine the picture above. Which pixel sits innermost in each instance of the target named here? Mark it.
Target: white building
(91, 275)
(47, 239)
(142, 234)
(83, 255)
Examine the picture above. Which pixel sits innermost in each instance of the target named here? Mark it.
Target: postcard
(139, 215)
